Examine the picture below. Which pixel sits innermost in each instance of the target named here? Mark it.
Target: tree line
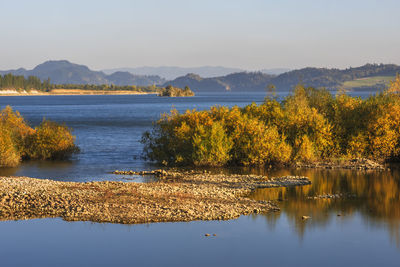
(20, 82)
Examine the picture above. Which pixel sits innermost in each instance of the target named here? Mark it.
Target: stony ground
(354, 164)
(175, 197)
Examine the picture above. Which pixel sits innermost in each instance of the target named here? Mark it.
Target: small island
(171, 91)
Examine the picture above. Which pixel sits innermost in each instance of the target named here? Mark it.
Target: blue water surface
(108, 130)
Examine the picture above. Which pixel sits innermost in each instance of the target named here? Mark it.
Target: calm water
(108, 130)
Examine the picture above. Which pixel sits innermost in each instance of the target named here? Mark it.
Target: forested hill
(369, 76)
(315, 77)
(241, 81)
(173, 72)
(332, 78)
(65, 72)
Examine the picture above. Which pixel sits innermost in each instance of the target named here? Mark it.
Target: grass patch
(369, 82)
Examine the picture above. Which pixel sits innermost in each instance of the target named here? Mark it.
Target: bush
(19, 141)
(304, 150)
(211, 145)
(51, 141)
(258, 144)
(17, 128)
(9, 156)
(309, 125)
(303, 123)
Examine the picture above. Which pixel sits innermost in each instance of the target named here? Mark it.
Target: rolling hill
(241, 81)
(172, 72)
(314, 77)
(367, 77)
(65, 72)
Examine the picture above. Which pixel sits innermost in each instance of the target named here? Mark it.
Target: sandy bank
(176, 197)
(70, 92)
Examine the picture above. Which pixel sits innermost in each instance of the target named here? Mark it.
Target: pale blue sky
(250, 34)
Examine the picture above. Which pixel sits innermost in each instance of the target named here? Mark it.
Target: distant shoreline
(71, 92)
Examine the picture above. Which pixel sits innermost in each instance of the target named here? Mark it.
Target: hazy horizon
(194, 66)
(250, 35)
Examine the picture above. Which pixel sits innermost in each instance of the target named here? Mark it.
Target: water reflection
(372, 195)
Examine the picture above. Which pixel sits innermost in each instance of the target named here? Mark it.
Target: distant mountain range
(171, 72)
(315, 77)
(64, 72)
(275, 71)
(241, 81)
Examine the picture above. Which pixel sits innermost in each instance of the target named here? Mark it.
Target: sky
(248, 34)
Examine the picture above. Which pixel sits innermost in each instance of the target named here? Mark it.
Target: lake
(362, 228)
(108, 129)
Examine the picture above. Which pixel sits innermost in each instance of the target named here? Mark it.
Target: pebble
(181, 196)
(356, 164)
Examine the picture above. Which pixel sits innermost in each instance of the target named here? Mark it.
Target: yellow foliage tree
(9, 156)
(254, 143)
(384, 132)
(51, 141)
(302, 120)
(19, 141)
(18, 129)
(308, 125)
(395, 85)
(304, 149)
(211, 146)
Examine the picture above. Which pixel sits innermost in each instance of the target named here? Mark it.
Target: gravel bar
(174, 197)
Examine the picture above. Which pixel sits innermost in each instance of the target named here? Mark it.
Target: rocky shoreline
(175, 197)
(334, 196)
(352, 164)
